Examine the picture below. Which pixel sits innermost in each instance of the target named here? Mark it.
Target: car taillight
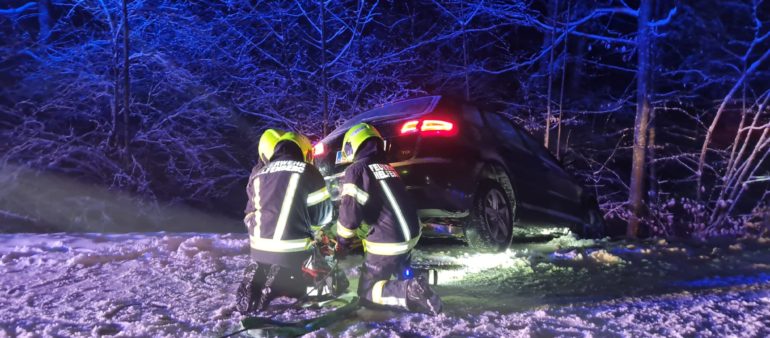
(429, 127)
(318, 149)
(409, 127)
(437, 126)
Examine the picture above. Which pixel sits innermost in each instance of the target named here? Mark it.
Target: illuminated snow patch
(570, 241)
(598, 256)
(540, 231)
(604, 257)
(478, 263)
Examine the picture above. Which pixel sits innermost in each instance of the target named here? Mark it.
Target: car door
(524, 170)
(562, 194)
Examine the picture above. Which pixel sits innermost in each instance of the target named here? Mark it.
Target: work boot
(266, 294)
(248, 291)
(421, 298)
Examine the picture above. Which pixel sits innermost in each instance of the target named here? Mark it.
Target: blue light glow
(407, 273)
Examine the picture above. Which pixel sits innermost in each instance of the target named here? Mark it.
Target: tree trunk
(739, 133)
(44, 20)
(114, 138)
(126, 76)
(465, 54)
(563, 78)
(325, 93)
(547, 134)
(636, 191)
(653, 176)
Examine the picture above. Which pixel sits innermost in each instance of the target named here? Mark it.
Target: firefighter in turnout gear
(287, 195)
(373, 195)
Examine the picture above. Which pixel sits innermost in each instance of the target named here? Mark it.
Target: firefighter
(373, 195)
(287, 195)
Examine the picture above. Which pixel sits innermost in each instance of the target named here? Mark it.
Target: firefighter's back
(283, 197)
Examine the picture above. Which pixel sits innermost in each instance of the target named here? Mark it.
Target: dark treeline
(131, 115)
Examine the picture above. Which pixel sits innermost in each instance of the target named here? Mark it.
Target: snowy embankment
(183, 285)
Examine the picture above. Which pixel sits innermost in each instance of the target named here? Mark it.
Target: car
(474, 176)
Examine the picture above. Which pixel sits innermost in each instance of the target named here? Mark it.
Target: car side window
(539, 151)
(505, 131)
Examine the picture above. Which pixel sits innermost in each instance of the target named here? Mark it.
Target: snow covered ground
(163, 284)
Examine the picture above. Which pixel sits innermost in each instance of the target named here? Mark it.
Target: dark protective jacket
(373, 193)
(286, 197)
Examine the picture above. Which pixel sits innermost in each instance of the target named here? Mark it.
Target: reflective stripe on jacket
(373, 193)
(286, 198)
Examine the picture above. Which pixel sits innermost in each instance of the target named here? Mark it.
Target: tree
(113, 92)
(641, 125)
(749, 63)
(126, 75)
(641, 39)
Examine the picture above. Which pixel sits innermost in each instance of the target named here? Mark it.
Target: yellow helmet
(356, 136)
(271, 137)
(302, 142)
(267, 143)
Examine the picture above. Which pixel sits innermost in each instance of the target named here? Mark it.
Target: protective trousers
(375, 286)
(264, 282)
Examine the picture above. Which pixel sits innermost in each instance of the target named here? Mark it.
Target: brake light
(319, 149)
(409, 127)
(437, 125)
(429, 127)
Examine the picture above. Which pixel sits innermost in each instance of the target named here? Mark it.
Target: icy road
(183, 285)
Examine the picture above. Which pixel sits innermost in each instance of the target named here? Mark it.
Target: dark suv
(472, 175)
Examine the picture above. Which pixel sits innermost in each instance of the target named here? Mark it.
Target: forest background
(139, 115)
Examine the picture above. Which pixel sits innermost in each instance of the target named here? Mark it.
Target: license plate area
(339, 159)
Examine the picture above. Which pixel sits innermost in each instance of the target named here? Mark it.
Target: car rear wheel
(491, 221)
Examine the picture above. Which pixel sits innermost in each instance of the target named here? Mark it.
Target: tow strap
(296, 328)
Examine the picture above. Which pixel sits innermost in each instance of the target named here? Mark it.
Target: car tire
(593, 226)
(490, 225)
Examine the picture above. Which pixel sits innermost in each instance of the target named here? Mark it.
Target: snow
(719, 314)
(183, 284)
(135, 284)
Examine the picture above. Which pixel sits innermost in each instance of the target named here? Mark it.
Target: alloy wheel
(497, 216)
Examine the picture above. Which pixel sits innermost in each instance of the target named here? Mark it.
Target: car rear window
(412, 107)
